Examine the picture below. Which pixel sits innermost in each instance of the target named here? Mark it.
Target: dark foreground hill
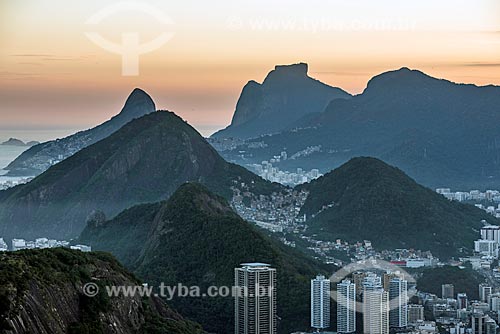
(368, 199)
(41, 292)
(145, 161)
(40, 157)
(195, 238)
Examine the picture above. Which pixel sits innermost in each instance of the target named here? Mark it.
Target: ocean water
(8, 154)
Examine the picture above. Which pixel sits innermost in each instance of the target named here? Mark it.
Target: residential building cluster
(269, 172)
(8, 182)
(488, 201)
(456, 314)
(383, 300)
(378, 299)
(473, 195)
(342, 252)
(230, 144)
(383, 296)
(40, 243)
(278, 212)
(268, 169)
(306, 152)
(487, 246)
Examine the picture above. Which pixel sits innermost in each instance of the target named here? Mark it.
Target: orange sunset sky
(55, 80)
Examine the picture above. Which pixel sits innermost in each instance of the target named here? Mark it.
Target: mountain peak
(145, 161)
(300, 68)
(404, 77)
(193, 196)
(286, 96)
(287, 71)
(138, 99)
(366, 198)
(36, 160)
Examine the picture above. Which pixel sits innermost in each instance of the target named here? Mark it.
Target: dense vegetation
(464, 280)
(371, 200)
(197, 240)
(143, 162)
(48, 284)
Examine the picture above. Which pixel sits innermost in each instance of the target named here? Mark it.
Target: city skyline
(45, 54)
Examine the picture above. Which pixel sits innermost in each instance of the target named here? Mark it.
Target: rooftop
(255, 264)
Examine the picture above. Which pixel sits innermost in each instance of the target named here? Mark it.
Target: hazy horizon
(42, 134)
(53, 77)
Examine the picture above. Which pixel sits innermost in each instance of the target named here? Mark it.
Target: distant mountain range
(286, 95)
(41, 291)
(439, 132)
(40, 157)
(145, 161)
(366, 199)
(18, 142)
(197, 239)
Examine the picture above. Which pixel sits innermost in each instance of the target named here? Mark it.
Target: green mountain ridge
(367, 199)
(41, 291)
(196, 239)
(143, 162)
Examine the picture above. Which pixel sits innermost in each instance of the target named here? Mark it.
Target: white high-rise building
(495, 302)
(485, 291)
(3, 246)
(346, 307)
(375, 306)
(320, 302)
(491, 232)
(398, 301)
(18, 244)
(255, 301)
(486, 247)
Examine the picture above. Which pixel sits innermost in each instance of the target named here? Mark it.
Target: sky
(57, 77)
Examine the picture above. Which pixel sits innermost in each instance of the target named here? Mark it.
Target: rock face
(367, 199)
(195, 237)
(286, 95)
(41, 292)
(441, 133)
(145, 161)
(40, 157)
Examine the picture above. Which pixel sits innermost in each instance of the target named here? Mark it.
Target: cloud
(30, 63)
(61, 58)
(481, 64)
(19, 75)
(32, 55)
(52, 57)
(341, 73)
